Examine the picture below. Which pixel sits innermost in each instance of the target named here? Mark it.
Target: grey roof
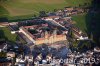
(3, 59)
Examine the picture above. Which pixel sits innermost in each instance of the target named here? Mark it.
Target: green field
(21, 9)
(5, 33)
(80, 21)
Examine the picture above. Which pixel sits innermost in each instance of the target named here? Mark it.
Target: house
(45, 65)
(4, 23)
(49, 57)
(69, 9)
(5, 62)
(96, 49)
(13, 23)
(10, 55)
(26, 60)
(79, 34)
(29, 58)
(39, 57)
(3, 47)
(20, 61)
(60, 13)
(51, 18)
(74, 12)
(68, 13)
(79, 10)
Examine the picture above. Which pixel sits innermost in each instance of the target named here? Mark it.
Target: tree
(42, 14)
(55, 10)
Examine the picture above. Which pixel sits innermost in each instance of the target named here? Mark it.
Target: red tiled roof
(40, 38)
(30, 26)
(60, 20)
(76, 33)
(27, 32)
(59, 35)
(4, 23)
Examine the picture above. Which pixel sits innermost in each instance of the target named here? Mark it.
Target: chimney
(46, 34)
(55, 32)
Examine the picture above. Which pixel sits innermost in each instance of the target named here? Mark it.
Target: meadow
(80, 21)
(5, 33)
(23, 9)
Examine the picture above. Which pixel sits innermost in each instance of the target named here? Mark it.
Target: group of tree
(93, 22)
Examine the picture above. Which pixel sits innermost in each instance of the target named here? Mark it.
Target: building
(13, 23)
(79, 10)
(69, 9)
(20, 62)
(51, 38)
(4, 23)
(29, 58)
(45, 65)
(79, 34)
(26, 60)
(96, 49)
(5, 62)
(27, 34)
(3, 47)
(10, 54)
(47, 38)
(51, 18)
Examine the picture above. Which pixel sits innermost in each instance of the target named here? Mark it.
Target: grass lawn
(2, 54)
(19, 8)
(80, 21)
(3, 11)
(6, 33)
